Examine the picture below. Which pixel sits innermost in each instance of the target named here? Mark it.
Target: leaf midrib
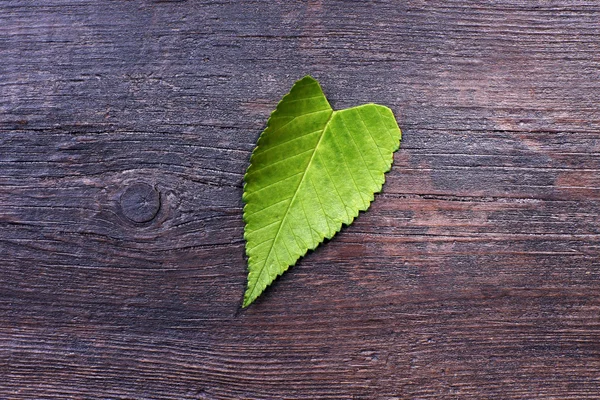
(262, 268)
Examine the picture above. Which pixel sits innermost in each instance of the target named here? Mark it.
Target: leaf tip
(308, 77)
(248, 298)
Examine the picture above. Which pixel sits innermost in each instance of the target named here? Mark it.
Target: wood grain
(474, 274)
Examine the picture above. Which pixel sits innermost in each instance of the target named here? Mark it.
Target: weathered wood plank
(474, 275)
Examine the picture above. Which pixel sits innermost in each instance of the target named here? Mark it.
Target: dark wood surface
(126, 127)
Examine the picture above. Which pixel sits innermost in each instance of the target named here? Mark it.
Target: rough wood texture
(474, 275)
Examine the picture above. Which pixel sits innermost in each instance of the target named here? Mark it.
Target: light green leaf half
(312, 170)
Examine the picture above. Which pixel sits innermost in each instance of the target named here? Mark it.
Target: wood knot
(140, 202)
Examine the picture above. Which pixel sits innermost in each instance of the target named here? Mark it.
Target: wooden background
(126, 127)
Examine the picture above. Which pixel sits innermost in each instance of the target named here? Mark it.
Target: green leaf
(313, 169)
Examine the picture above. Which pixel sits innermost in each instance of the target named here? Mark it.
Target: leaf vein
(384, 124)
(327, 217)
(347, 165)
(279, 162)
(286, 142)
(295, 118)
(248, 215)
(335, 187)
(272, 184)
(362, 121)
(258, 244)
(359, 151)
(261, 228)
